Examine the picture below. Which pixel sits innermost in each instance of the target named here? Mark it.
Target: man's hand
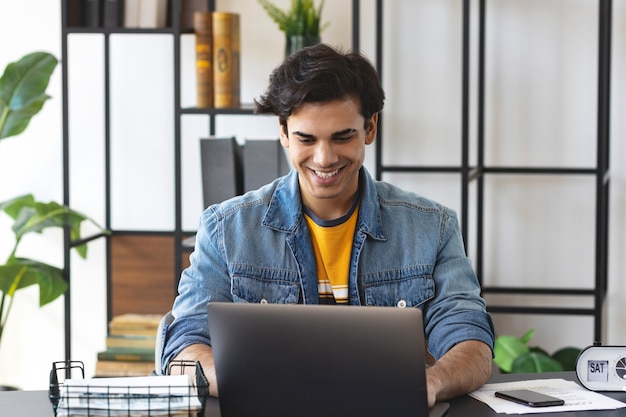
(204, 354)
(463, 369)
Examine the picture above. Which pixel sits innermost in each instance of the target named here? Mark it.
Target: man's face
(326, 143)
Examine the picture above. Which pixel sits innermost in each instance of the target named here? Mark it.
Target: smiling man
(328, 233)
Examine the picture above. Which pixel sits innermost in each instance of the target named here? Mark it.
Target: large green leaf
(506, 349)
(532, 362)
(567, 357)
(23, 91)
(48, 278)
(13, 206)
(35, 216)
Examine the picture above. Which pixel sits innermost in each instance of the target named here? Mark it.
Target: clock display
(620, 368)
(602, 368)
(597, 371)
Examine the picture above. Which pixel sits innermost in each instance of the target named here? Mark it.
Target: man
(328, 233)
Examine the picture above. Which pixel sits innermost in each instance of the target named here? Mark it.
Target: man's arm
(463, 369)
(204, 354)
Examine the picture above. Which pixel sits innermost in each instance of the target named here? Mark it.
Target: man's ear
(284, 135)
(371, 128)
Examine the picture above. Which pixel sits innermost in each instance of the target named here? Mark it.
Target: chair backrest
(158, 348)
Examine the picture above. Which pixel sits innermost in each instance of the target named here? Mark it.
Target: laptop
(318, 360)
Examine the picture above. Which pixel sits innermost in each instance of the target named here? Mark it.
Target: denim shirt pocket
(401, 291)
(265, 286)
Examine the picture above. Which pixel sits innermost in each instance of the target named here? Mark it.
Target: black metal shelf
(469, 173)
(113, 31)
(477, 173)
(180, 236)
(244, 109)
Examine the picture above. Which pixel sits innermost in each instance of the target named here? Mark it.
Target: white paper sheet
(576, 397)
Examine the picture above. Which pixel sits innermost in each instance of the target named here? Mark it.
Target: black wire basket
(96, 397)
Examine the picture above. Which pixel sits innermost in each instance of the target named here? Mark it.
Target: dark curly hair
(318, 74)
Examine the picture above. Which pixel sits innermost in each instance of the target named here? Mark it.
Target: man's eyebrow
(302, 134)
(344, 132)
(335, 134)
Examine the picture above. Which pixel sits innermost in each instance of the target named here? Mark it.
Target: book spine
(221, 169)
(131, 13)
(119, 369)
(188, 8)
(127, 356)
(132, 332)
(91, 13)
(74, 13)
(148, 13)
(236, 46)
(113, 13)
(161, 13)
(117, 341)
(203, 28)
(226, 51)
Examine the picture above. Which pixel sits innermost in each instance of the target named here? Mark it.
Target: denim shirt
(407, 252)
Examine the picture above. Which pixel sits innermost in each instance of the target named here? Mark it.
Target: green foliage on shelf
(514, 355)
(302, 18)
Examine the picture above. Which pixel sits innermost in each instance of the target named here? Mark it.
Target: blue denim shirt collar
(285, 209)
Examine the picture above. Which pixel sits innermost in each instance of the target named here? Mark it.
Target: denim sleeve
(457, 312)
(207, 279)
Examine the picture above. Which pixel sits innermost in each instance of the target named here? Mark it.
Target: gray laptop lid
(309, 360)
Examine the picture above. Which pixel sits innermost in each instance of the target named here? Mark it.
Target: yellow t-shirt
(332, 243)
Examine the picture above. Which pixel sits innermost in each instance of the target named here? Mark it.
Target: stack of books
(129, 346)
(218, 59)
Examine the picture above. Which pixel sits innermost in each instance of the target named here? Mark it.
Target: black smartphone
(530, 398)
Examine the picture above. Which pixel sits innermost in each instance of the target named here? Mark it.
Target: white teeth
(326, 174)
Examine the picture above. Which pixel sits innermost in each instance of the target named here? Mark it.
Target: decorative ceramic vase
(296, 42)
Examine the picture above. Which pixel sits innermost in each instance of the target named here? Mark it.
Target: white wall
(541, 76)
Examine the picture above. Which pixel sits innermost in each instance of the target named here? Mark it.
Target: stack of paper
(576, 397)
(136, 396)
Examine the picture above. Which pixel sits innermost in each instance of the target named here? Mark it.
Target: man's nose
(325, 154)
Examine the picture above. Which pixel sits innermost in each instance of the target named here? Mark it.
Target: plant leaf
(527, 336)
(537, 349)
(22, 91)
(301, 19)
(13, 206)
(535, 362)
(38, 216)
(279, 16)
(506, 349)
(567, 357)
(48, 278)
(35, 216)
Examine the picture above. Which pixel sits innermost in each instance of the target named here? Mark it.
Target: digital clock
(602, 368)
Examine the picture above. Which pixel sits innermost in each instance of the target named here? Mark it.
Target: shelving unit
(470, 174)
(154, 238)
(475, 174)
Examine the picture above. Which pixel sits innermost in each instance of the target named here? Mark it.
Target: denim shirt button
(263, 301)
(401, 303)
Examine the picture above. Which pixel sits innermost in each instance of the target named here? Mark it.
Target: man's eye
(343, 138)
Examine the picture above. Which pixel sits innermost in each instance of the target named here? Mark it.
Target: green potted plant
(514, 355)
(301, 23)
(22, 95)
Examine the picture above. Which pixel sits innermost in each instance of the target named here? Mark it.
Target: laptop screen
(311, 360)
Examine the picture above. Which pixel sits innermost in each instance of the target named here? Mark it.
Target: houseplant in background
(301, 23)
(22, 95)
(514, 355)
